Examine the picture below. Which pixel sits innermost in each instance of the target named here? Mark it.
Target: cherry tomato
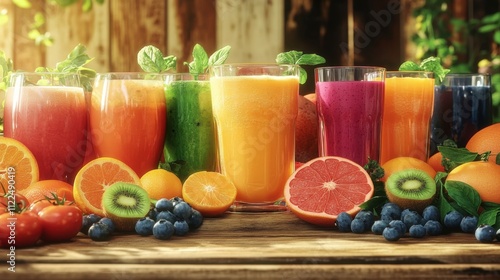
(60, 222)
(7, 202)
(19, 229)
(37, 206)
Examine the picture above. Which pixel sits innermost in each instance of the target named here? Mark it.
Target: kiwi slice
(411, 189)
(125, 203)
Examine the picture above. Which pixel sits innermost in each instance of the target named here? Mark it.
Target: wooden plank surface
(268, 245)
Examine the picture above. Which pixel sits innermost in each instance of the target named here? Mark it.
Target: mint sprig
(151, 60)
(5, 70)
(201, 62)
(431, 64)
(299, 58)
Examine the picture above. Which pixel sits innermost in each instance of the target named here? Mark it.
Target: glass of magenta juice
(255, 107)
(408, 105)
(349, 104)
(190, 140)
(128, 118)
(47, 112)
(462, 106)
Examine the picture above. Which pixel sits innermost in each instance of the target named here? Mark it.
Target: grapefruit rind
(324, 187)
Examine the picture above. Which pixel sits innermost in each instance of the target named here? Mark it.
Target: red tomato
(60, 222)
(8, 202)
(19, 229)
(39, 205)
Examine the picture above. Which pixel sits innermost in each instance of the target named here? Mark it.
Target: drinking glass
(190, 140)
(408, 105)
(462, 106)
(255, 107)
(349, 102)
(128, 118)
(47, 112)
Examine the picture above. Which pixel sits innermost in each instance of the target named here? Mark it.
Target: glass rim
(254, 65)
(409, 71)
(352, 67)
(467, 75)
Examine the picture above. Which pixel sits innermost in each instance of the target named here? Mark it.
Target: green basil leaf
(490, 217)
(310, 59)
(200, 60)
(409, 66)
(464, 195)
(150, 59)
(219, 57)
(443, 204)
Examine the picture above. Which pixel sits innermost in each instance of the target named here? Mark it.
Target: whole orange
(402, 163)
(160, 183)
(306, 131)
(480, 175)
(435, 162)
(40, 189)
(486, 139)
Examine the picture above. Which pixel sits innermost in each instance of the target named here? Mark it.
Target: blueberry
(344, 222)
(498, 234)
(176, 200)
(391, 233)
(412, 218)
(182, 210)
(391, 211)
(166, 215)
(367, 218)
(417, 231)
(452, 220)
(485, 233)
(163, 229)
(379, 226)
(433, 228)
(87, 221)
(468, 224)
(431, 212)
(196, 220)
(144, 226)
(399, 225)
(181, 227)
(403, 214)
(152, 213)
(109, 223)
(164, 204)
(99, 232)
(358, 226)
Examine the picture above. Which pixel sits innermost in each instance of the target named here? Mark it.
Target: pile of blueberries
(168, 217)
(395, 223)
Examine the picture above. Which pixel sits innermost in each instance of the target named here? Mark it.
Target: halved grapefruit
(324, 187)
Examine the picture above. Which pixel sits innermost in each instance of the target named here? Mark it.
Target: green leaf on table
(299, 58)
(442, 202)
(490, 217)
(151, 60)
(465, 196)
(453, 157)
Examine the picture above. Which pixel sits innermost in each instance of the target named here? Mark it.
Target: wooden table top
(259, 246)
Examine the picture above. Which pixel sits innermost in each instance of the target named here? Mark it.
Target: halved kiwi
(411, 189)
(125, 203)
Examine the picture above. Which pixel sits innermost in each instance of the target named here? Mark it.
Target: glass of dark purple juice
(462, 106)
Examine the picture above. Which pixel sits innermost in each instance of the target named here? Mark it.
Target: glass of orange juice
(255, 107)
(408, 106)
(128, 118)
(47, 112)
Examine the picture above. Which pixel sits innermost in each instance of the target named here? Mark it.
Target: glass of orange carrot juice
(255, 107)
(128, 118)
(408, 106)
(47, 113)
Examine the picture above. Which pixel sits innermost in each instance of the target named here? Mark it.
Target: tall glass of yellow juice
(128, 118)
(255, 108)
(408, 106)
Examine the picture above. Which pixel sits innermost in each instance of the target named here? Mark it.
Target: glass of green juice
(190, 139)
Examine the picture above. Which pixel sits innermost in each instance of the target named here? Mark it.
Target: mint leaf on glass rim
(409, 66)
(151, 60)
(299, 58)
(430, 64)
(219, 56)
(201, 62)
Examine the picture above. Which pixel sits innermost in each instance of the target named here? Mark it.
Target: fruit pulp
(408, 105)
(255, 123)
(459, 112)
(350, 118)
(128, 120)
(52, 122)
(190, 139)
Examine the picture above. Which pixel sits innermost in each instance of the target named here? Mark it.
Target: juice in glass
(128, 118)
(350, 102)
(51, 120)
(462, 106)
(408, 105)
(190, 139)
(255, 108)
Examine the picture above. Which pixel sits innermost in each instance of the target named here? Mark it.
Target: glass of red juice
(462, 106)
(47, 113)
(349, 104)
(128, 118)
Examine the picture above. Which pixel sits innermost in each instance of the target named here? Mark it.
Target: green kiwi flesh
(411, 189)
(125, 203)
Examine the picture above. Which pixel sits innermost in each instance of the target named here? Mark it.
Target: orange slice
(324, 187)
(95, 177)
(17, 161)
(211, 193)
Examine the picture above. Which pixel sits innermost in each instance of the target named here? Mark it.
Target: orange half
(17, 163)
